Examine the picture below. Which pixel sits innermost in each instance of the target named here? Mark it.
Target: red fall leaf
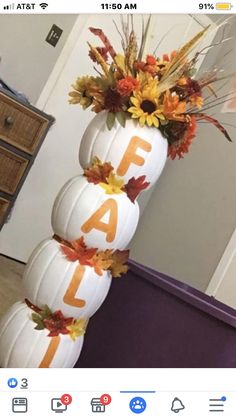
(57, 324)
(135, 186)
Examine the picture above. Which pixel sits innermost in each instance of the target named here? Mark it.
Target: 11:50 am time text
(119, 6)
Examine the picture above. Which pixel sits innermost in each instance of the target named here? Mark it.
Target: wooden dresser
(22, 131)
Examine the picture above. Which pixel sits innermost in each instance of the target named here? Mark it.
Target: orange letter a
(130, 155)
(95, 220)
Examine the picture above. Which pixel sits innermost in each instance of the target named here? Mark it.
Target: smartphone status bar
(116, 7)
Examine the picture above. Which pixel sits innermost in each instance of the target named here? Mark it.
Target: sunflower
(146, 105)
(85, 91)
(98, 102)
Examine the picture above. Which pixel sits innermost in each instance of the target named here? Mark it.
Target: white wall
(26, 59)
(57, 160)
(192, 212)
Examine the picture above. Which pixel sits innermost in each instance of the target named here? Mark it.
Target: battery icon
(224, 6)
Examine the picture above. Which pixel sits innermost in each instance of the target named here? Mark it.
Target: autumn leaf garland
(115, 261)
(56, 322)
(102, 174)
(77, 250)
(103, 260)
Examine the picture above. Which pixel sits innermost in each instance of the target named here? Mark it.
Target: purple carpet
(152, 320)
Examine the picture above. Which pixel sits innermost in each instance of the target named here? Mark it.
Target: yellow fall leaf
(118, 270)
(96, 161)
(120, 62)
(114, 184)
(77, 328)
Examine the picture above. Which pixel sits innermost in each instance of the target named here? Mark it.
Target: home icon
(97, 406)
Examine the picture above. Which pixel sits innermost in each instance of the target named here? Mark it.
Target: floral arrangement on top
(159, 92)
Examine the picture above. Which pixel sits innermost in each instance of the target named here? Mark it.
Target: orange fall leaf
(102, 261)
(98, 172)
(79, 251)
(119, 267)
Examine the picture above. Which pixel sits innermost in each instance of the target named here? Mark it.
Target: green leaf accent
(39, 327)
(36, 317)
(191, 72)
(144, 38)
(102, 83)
(110, 120)
(121, 118)
(38, 320)
(46, 312)
(111, 78)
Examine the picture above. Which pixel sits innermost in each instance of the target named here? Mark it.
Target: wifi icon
(43, 5)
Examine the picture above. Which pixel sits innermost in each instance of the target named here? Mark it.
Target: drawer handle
(9, 121)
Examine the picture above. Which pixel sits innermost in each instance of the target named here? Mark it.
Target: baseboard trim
(15, 260)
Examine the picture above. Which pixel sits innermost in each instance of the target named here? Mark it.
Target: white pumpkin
(21, 346)
(49, 278)
(84, 209)
(133, 151)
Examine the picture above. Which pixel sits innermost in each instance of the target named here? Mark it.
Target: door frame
(61, 61)
(227, 258)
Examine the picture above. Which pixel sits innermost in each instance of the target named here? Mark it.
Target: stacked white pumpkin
(50, 278)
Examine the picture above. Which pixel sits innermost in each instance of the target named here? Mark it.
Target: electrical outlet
(54, 35)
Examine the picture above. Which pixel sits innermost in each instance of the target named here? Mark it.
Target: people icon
(137, 405)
